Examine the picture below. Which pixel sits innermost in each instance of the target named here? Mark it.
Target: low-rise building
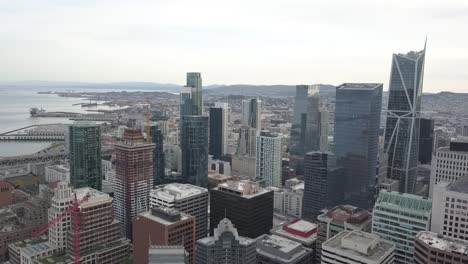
(431, 248)
(357, 247)
(273, 249)
(301, 231)
(168, 255)
(57, 173)
(30, 250)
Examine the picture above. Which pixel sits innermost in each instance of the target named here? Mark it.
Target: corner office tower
(403, 114)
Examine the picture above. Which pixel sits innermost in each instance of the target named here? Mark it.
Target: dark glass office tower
(85, 155)
(194, 81)
(357, 122)
(246, 204)
(194, 147)
(185, 101)
(216, 132)
(323, 183)
(251, 113)
(426, 140)
(306, 109)
(157, 138)
(402, 125)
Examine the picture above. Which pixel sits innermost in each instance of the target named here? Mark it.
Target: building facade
(450, 209)
(426, 140)
(194, 80)
(398, 218)
(323, 187)
(246, 204)
(268, 164)
(162, 226)
(186, 198)
(449, 164)
(133, 180)
(218, 130)
(357, 123)
(251, 113)
(402, 120)
(226, 247)
(159, 164)
(194, 147)
(84, 141)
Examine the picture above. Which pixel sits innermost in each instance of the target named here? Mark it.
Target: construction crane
(73, 210)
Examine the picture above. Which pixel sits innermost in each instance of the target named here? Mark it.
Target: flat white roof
(175, 191)
(303, 226)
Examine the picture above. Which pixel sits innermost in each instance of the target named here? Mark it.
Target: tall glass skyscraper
(85, 155)
(194, 81)
(194, 146)
(186, 101)
(402, 125)
(251, 113)
(357, 123)
(218, 129)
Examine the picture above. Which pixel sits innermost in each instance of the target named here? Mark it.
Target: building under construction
(95, 235)
(133, 178)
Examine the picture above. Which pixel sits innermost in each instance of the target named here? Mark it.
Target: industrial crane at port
(74, 211)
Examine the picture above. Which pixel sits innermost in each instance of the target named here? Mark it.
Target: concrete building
(162, 226)
(168, 255)
(433, 248)
(243, 166)
(133, 180)
(108, 173)
(219, 166)
(449, 163)
(194, 147)
(357, 247)
(6, 194)
(300, 231)
(398, 217)
(61, 201)
(246, 204)
(288, 200)
(247, 142)
(173, 158)
(357, 124)
(323, 184)
(268, 165)
(273, 249)
(402, 119)
(337, 219)
(57, 173)
(85, 155)
(214, 249)
(186, 198)
(449, 209)
(30, 250)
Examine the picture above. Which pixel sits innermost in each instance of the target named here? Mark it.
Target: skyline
(231, 43)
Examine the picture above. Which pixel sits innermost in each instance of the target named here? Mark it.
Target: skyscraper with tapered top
(403, 114)
(194, 81)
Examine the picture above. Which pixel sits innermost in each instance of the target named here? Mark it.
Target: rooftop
(460, 185)
(347, 213)
(60, 168)
(358, 244)
(404, 201)
(276, 247)
(413, 55)
(244, 188)
(225, 225)
(443, 242)
(359, 86)
(176, 191)
(165, 215)
(94, 196)
(300, 231)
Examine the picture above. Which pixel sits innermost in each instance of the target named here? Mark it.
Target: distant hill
(264, 90)
(44, 85)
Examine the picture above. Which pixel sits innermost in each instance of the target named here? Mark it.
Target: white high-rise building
(449, 163)
(61, 201)
(268, 164)
(57, 173)
(186, 198)
(450, 209)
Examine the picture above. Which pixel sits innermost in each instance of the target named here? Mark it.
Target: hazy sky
(237, 41)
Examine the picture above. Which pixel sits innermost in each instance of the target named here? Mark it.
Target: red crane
(75, 213)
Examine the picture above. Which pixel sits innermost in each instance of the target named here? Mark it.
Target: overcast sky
(236, 41)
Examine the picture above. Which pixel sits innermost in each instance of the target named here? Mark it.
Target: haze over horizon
(248, 42)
